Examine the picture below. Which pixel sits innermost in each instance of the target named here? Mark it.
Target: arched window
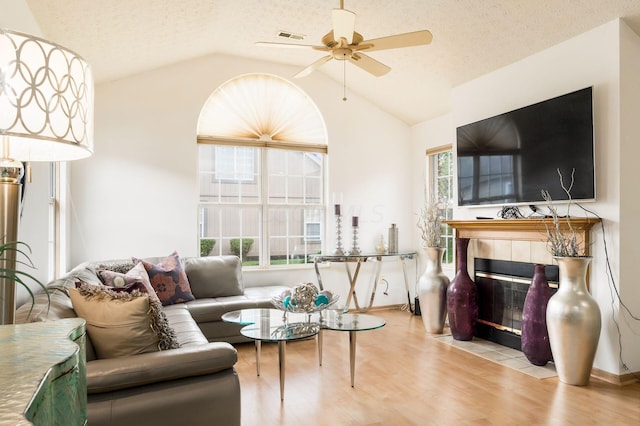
(262, 148)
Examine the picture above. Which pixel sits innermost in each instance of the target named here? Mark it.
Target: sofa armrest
(105, 375)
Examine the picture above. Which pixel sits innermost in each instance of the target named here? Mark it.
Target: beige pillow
(121, 323)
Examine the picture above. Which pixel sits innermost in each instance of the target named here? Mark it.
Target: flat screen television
(508, 159)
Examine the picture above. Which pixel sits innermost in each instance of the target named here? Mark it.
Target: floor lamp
(46, 114)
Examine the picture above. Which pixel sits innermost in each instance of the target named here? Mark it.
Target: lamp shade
(46, 99)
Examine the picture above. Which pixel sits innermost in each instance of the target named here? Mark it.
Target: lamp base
(9, 215)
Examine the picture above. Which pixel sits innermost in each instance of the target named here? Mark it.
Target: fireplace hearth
(502, 287)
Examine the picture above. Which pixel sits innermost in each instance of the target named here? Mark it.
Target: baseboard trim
(620, 380)
(399, 307)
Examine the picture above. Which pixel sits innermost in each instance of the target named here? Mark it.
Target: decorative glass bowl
(304, 298)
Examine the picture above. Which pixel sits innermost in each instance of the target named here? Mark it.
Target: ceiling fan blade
(344, 24)
(314, 66)
(416, 38)
(369, 64)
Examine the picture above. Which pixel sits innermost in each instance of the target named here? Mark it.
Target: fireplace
(502, 287)
(501, 258)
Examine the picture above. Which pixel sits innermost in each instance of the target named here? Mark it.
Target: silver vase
(573, 322)
(432, 291)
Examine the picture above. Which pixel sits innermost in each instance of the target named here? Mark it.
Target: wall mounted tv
(510, 158)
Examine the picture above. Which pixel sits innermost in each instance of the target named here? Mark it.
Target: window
(277, 219)
(234, 163)
(312, 232)
(440, 184)
(262, 149)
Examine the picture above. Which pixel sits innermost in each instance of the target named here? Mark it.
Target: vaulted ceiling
(470, 37)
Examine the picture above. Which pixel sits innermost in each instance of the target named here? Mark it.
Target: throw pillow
(122, 322)
(136, 274)
(214, 276)
(169, 279)
(117, 266)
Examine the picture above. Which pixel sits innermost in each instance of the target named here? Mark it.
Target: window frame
(432, 183)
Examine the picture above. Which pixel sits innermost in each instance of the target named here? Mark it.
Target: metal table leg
(406, 281)
(352, 356)
(315, 265)
(352, 285)
(320, 347)
(281, 360)
(258, 347)
(375, 285)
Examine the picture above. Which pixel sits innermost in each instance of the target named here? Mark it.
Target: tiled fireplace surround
(515, 240)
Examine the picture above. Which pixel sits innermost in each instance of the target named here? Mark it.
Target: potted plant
(11, 275)
(432, 285)
(573, 316)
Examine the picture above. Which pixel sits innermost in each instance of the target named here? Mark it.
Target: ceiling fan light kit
(343, 43)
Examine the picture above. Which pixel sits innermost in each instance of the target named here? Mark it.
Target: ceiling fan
(343, 43)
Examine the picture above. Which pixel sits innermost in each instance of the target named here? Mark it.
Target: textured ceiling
(470, 37)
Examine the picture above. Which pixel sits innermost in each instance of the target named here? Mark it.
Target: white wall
(629, 204)
(138, 194)
(591, 59)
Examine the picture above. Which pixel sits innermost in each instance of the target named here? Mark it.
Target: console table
(359, 259)
(42, 373)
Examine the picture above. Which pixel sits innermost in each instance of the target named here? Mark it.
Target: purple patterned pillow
(168, 279)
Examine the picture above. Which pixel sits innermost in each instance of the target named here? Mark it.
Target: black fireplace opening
(502, 287)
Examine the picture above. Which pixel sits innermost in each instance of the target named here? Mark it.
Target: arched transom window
(262, 147)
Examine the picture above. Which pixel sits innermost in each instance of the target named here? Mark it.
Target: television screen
(510, 158)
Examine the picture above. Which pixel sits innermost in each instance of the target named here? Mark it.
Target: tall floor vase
(432, 291)
(462, 303)
(535, 338)
(573, 321)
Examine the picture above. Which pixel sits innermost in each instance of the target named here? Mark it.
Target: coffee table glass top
(273, 325)
(284, 332)
(337, 320)
(253, 316)
(331, 319)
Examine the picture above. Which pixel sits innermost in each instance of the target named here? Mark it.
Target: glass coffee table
(336, 320)
(271, 325)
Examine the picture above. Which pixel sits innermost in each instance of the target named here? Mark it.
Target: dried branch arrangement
(430, 223)
(562, 243)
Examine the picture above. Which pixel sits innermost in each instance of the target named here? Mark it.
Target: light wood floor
(404, 377)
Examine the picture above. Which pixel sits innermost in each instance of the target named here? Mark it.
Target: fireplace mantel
(520, 229)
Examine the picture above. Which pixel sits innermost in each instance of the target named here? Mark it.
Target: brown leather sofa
(195, 384)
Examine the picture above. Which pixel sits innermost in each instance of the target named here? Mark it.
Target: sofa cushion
(214, 276)
(212, 308)
(168, 279)
(136, 274)
(182, 322)
(122, 323)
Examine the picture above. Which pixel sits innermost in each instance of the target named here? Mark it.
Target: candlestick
(339, 251)
(355, 249)
(337, 209)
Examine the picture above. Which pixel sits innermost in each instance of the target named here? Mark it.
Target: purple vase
(462, 299)
(535, 338)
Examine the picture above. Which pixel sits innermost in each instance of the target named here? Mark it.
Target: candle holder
(355, 248)
(339, 251)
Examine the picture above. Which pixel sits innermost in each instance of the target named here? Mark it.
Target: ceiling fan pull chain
(344, 81)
